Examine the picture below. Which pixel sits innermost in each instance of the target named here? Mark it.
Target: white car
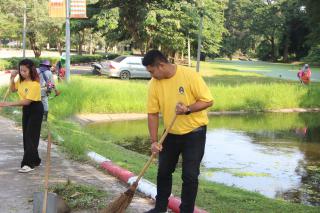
(123, 67)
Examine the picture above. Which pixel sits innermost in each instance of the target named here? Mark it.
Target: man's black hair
(153, 57)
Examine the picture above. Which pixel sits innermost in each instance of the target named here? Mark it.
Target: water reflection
(277, 154)
(239, 161)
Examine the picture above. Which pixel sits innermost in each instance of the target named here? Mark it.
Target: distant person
(28, 88)
(47, 85)
(177, 90)
(304, 74)
(60, 67)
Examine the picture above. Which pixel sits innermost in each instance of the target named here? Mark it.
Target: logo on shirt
(181, 90)
(26, 90)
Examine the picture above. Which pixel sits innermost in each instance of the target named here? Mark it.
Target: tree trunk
(33, 44)
(90, 45)
(81, 41)
(286, 49)
(273, 50)
(59, 47)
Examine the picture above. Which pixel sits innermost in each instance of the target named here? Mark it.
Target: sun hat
(45, 63)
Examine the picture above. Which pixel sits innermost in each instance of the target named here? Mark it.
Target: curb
(82, 64)
(144, 186)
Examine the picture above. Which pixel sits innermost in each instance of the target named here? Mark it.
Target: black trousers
(31, 127)
(191, 146)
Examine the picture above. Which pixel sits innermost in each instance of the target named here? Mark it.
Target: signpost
(24, 30)
(199, 36)
(67, 9)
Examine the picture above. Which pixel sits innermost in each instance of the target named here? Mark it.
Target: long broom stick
(47, 171)
(120, 204)
(6, 95)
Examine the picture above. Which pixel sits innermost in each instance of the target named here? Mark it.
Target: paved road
(17, 189)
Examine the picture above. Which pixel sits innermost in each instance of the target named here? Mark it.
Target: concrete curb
(82, 64)
(144, 186)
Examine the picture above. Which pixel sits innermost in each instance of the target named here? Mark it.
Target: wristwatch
(188, 111)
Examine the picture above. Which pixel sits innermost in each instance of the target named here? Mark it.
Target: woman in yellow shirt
(28, 89)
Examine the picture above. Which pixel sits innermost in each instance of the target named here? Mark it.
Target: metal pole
(68, 40)
(199, 38)
(189, 51)
(24, 30)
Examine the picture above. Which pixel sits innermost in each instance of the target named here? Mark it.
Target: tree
(268, 22)
(11, 13)
(295, 30)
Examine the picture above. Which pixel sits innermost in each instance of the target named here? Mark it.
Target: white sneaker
(25, 169)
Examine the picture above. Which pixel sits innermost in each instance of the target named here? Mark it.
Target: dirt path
(17, 189)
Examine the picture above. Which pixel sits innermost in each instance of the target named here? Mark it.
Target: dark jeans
(31, 127)
(191, 146)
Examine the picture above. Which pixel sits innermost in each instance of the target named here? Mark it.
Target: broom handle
(6, 95)
(46, 179)
(146, 166)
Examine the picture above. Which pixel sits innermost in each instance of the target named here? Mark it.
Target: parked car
(123, 67)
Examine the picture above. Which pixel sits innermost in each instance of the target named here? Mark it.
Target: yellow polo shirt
(187, 87)
(28, 90)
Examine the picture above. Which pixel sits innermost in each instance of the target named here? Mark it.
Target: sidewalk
(17, 189)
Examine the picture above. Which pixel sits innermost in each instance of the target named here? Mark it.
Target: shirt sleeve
(17, 84)
(200, 89)
(153, 101)
(34, 92)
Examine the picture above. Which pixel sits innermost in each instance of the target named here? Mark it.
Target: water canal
(275, 154)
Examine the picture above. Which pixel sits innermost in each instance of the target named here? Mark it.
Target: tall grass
(89, 95)
(244, 92)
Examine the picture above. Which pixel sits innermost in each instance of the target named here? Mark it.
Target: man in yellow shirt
(177, 90)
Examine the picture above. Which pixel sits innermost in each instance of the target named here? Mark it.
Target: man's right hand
(155, 148)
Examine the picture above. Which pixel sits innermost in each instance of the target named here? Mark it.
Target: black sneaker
(155, 211)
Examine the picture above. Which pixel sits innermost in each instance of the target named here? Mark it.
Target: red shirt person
(305, 74)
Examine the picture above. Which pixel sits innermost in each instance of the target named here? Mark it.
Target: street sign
(78, 9)
(57, 8)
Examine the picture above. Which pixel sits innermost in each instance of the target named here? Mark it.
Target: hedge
(12, 63)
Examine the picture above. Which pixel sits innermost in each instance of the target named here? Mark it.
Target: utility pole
(189, 51)
(24, 30)
(68, 41)
(199, 36)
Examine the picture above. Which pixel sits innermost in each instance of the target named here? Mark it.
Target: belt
(201, 128)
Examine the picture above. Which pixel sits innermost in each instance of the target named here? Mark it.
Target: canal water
(275, 154)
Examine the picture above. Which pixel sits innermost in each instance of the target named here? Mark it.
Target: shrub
(85, 58)
(264, 51)
(314, 55)
(4, 64)
(12, 63)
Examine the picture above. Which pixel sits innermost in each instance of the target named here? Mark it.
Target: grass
(232, 90)
(80, 196)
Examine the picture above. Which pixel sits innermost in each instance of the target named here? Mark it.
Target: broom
(6, 95)
(120, 204)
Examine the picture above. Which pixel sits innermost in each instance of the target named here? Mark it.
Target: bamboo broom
(120, 204)
(6, 95)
